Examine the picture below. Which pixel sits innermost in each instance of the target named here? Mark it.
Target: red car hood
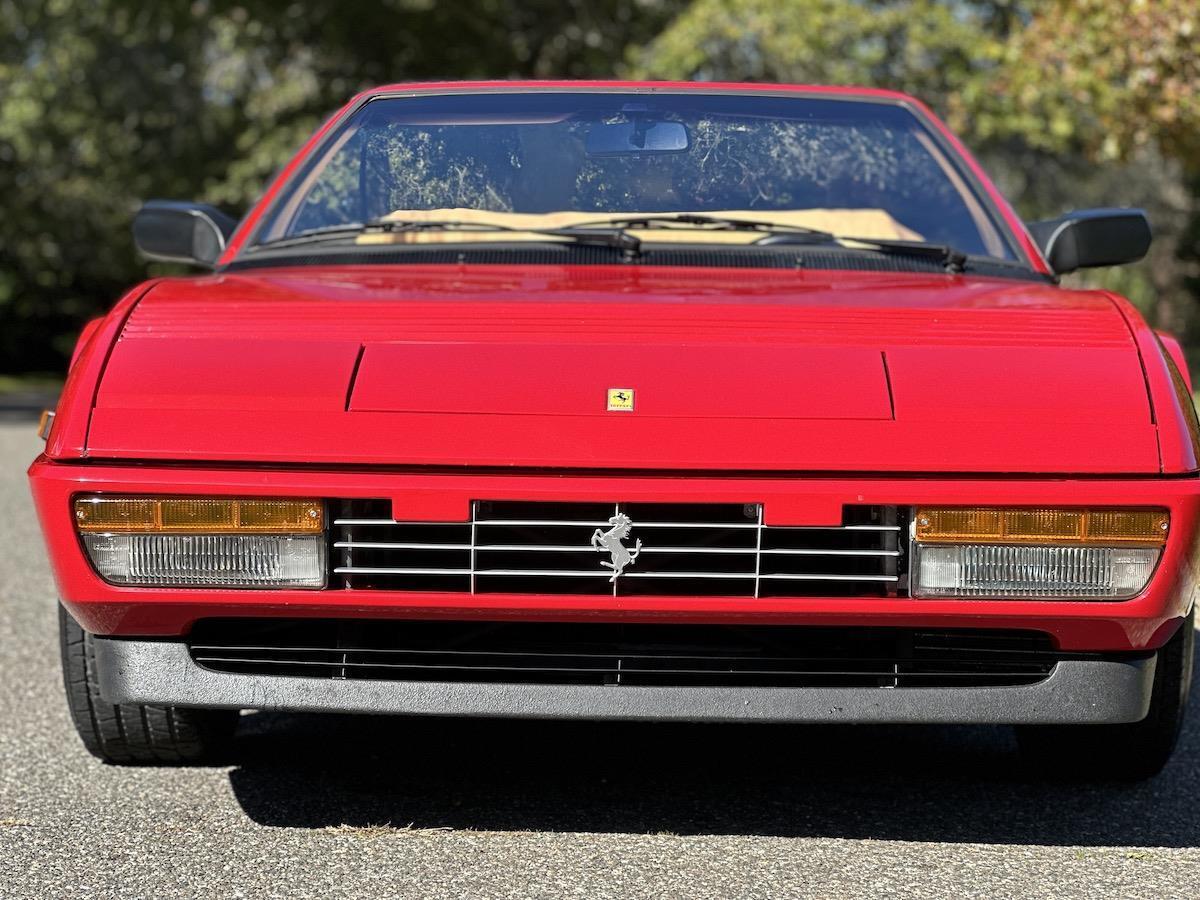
(728, 370)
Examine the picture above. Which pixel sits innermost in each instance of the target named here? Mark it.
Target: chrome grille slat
(566, 523)
(546, 573)
(384, 545)
(886, 553)
(598, 523)
(885, 578)
(581, 548)
(709, 549)
(397, 570)
(568, 573)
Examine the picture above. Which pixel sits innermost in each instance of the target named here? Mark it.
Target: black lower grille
(623, 654)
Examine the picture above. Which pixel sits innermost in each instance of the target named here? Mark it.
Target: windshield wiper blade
(314, 235)
(603, 236)
(781, 233)
(600, 236)
(706, 222)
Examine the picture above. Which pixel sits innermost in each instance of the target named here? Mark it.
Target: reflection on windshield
(545, 160)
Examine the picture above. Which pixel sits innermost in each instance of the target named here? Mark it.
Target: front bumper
(1076, 692)
(1142, 623)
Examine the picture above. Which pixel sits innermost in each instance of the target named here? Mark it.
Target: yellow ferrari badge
(620, 399)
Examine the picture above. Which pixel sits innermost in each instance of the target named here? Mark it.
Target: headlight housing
(204, 542)
(1042, 553)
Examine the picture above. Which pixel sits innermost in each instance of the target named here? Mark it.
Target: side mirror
(1088, 238)
(174, 231)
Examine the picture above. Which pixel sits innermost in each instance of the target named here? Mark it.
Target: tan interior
(863, 223)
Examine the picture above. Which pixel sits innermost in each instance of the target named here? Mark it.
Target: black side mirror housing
(176, 231)
(1088, 238)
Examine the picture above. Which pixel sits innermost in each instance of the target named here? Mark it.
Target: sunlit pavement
(343, 806)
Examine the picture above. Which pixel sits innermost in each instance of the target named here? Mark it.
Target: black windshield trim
(810, 257)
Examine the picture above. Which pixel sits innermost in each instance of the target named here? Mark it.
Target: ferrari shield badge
(620, 399)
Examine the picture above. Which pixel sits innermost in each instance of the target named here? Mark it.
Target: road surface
(364, 807)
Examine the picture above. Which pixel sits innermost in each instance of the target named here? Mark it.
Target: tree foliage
(1069, 103)
(932, 49)
(109, 102)
(1110, 78)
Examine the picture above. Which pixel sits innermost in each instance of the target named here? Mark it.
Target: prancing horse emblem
(610, 540)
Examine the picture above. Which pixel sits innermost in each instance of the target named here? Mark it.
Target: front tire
(128, 733)
(1126, 752)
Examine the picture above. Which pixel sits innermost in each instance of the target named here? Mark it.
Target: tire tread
(1126, 752)
(127, 733)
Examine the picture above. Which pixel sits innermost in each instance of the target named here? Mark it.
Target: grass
(30, 384)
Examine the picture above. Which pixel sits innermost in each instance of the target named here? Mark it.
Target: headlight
(204, 542)
(1102, 554)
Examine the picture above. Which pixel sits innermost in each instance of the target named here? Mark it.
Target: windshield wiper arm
(953, 259)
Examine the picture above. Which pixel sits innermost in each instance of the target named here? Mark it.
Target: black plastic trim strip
(1103, 691)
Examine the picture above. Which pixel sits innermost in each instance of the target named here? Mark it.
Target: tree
(1067, 102)
(1112, 77)
(110, 102)
(1118, 83)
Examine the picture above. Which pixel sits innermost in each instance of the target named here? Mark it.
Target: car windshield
(553, 159)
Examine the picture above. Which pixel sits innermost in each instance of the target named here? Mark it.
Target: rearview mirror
(635, 137)
(175, 231)
(1088, 238)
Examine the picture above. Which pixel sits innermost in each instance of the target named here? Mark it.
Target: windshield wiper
(953, 259)
(314, 235)
(614, 232)
(782, 233)
(713, 223)
(579, 234)
(612, 236)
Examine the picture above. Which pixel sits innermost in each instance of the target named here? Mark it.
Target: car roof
(707, 87)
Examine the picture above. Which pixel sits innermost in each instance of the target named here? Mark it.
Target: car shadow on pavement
(940, 784)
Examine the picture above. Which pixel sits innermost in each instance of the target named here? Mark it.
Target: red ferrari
(703, 402)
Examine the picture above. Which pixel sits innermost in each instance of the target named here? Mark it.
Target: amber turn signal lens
(187, 515)
(1042, 525)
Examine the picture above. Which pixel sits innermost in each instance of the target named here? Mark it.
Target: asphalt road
(366, 807)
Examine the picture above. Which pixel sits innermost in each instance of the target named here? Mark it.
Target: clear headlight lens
(204, 542)
(1001, 571)
(1001, 553)
(209, 560)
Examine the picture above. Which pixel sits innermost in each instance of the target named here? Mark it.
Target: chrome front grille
(557, 548)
